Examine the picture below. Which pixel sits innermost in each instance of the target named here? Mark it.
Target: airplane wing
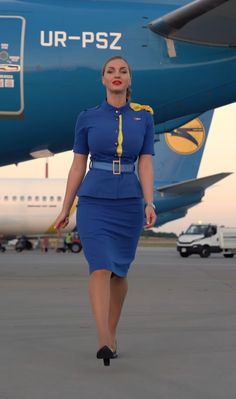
(190, 186)
(211, 22)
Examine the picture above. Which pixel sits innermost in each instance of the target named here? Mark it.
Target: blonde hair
(118, 57)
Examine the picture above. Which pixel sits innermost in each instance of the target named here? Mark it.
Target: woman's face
(116, 76)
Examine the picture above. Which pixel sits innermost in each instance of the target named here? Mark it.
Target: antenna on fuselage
(42, 153)
(46, 168)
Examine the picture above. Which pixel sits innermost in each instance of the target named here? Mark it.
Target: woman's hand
(61, 221)
(150, 217)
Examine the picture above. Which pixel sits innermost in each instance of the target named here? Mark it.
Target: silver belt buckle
(113, 167)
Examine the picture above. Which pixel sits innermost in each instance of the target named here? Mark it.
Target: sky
(219, 203)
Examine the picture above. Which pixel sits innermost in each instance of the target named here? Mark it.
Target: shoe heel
(106, 354)
(106, 362)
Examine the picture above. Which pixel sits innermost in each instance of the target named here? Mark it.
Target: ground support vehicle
(204, 239)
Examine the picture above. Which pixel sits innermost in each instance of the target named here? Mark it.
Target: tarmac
(176, 339)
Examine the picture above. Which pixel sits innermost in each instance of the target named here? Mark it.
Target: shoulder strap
(139, 107)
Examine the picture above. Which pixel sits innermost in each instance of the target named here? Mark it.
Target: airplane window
(29, 198)
(51, 198)
(59, 198)
(44, 198)
(22, 198)
(6, 198)
(36, 198)
(14, 198)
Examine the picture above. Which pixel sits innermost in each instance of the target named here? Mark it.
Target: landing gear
(22, 244)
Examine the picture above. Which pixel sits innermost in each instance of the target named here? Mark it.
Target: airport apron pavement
(176, 338)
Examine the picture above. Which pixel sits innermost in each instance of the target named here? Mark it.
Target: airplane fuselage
(51, 54)
(31, 206)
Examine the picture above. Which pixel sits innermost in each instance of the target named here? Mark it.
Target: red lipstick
(117, 82)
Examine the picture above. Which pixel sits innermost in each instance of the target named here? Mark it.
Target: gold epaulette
(139, 107)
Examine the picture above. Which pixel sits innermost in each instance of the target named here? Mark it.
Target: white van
(203, 239)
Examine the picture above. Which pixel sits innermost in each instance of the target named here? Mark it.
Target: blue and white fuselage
(51, 53)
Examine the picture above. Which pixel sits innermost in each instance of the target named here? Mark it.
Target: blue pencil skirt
(109, 230)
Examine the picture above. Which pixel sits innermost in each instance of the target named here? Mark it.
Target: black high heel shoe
(115, 354)
(106, 354)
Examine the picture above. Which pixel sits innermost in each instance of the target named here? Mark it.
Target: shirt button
(115, 143)
(117, 112)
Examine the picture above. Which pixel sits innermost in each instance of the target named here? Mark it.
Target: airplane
(31, 206)
(182, 54)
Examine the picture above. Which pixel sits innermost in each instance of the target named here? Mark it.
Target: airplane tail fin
(179, 152)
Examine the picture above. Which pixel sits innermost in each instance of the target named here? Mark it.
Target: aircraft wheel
(2, 249)
(205, 252)
(228, 255)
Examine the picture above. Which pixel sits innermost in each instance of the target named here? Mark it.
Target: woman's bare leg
(99, 292)
(119, 288)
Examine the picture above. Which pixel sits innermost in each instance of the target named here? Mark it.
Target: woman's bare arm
(75, 177)
(146, 177)
(145, 172)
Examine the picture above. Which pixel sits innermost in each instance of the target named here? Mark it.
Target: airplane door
(12, 34)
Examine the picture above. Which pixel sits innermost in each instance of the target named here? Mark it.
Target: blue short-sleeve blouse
(96, 132)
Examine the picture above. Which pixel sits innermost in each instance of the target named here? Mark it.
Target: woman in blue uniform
(113, 202)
